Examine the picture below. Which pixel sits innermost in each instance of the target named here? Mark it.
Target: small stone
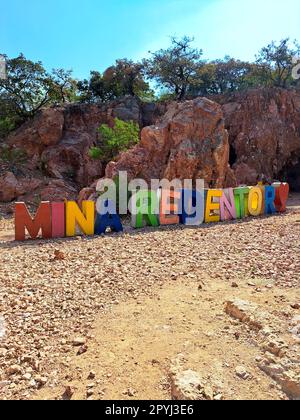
(3, 384)
(234, 285)
(32, 384)
(79, 341)
(208, 393)
(92, 375)
(242, 373)
(58, 255)
(3, 352)
(68, 394)
(41, 381)
(130, 392)
(82, 350)
(295, 306)
(89, 393)
(14, 370)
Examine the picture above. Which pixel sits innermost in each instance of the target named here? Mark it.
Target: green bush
(115, 140)
(96, 153)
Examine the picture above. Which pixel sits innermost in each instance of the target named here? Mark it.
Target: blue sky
(86, 35)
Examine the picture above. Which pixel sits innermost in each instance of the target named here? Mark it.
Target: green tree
(222, 76)
(29, 87)
(275, 63)
(124, 78)
(115, 140)
(64, 86)
(9, 118)
(175, 68)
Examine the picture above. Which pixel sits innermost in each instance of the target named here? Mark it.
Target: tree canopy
(124, 78)
(28, 87)
(276, 62)
(178, 72)
(176, 68)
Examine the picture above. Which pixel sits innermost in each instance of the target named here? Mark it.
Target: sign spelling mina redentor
(188, 207)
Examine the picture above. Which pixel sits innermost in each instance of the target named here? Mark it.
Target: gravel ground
(51, 292)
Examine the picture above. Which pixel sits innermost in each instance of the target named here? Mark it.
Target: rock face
(11, 187)
(264, 134)
(57, 142)
(189, 142)
(179, 140)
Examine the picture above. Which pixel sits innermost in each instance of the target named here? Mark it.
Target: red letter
(41, 221)
(282, 195)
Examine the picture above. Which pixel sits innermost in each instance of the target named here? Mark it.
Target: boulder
(189, 142)
(8, 187)
(46, 129)
(11, 187)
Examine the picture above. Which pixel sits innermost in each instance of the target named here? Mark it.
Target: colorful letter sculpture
(146, 203)
(193, 207)
(241, 202)
(58, 220)
(227, 205)
(169, 207)
(106, 220)
(269, 200)
(255, 202)
(41, 222)
(153, 208)
(212, 214)
(282, 195)
(85, 219)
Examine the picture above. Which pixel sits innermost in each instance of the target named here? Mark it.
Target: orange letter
(42, 221)
(168, 207)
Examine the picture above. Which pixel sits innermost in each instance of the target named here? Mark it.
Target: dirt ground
(128, 316)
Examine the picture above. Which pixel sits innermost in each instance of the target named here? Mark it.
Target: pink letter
(58, 220)
(227, 204)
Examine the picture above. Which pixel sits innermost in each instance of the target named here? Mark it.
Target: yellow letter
(85, 219)
(212, 206)
(255, 201)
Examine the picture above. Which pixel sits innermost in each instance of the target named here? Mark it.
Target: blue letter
(270, 194)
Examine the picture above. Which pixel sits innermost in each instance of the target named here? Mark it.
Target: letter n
(41, 222)
(85, 219)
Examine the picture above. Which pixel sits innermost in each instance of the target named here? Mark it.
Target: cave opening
(291, 174)
(232, 155)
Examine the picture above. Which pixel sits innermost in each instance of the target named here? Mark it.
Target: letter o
(255, 202)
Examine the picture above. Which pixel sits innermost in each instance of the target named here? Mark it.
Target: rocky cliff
(246, 136)
(188, 142)
(264, 135)
(57, 142)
